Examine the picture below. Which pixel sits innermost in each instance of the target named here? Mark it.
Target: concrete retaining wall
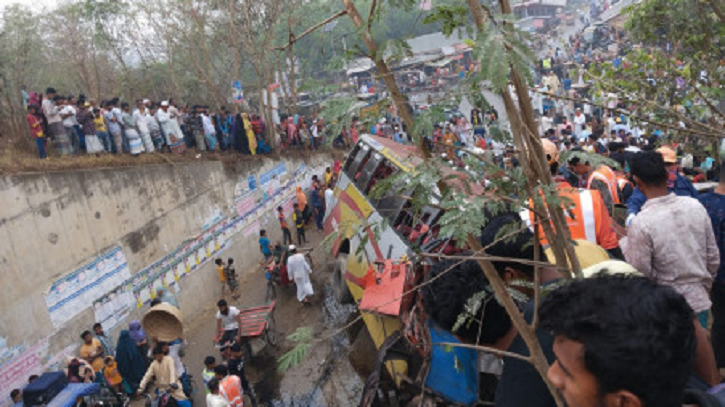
(52, 224)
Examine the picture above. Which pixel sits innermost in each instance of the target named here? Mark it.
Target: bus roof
(401, 154)
(406, 157)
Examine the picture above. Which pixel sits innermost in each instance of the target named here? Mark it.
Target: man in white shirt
(166, 123)
(213, 398)
(139, 115)
(579, 122)
(611, 100)
(315, 134)
(68, 113)
(329, 199)
(118, 115)
(209, 130)
(228, 320)
(299, 270)
(154, 128)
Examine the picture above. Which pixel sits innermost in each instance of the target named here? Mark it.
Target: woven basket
(164, 322)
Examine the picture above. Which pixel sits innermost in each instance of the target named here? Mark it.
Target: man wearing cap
(587, 218)
(676, 183)
(602, 178)
(299, 271)
(164, 119)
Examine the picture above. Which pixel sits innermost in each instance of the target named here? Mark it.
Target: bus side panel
(386, 245)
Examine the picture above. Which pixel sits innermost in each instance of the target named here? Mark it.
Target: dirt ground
(325, 378)
(23, 158)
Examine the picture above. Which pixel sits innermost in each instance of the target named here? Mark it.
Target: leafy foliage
(452, 17)
(303, 337)
(338, 112)
(594, 159)
(500, 46)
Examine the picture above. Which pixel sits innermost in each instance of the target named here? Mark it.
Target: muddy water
(326, 377)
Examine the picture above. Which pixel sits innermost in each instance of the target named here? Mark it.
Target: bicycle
(272, 274)
(224, 349)
(163, 397)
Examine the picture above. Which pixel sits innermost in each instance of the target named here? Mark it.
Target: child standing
(300, 225)
(231, 275)
(286, 234)
(220, 271)
(113, 376)
(207, 375)
(36, 130)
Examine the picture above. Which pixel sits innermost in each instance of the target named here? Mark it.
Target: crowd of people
(646, 323)
(655, 337)
(78, 125)
(128, 365)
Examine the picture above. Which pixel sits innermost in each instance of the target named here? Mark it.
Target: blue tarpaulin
(453, 371)
(68, 396)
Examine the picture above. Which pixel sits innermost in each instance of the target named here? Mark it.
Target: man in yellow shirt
(92, 351)
(101, 130)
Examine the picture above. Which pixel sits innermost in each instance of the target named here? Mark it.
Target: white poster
(76, 291)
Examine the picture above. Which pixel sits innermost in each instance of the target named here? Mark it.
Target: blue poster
(252, 182)
(268, 176)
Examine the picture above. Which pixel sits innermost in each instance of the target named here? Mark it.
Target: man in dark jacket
(677, 184)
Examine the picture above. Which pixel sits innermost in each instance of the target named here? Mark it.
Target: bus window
(351, 158)
(391, 206)
(426, 226)
(358, 161)
(384, 170)
(365, 173)
(403, 222)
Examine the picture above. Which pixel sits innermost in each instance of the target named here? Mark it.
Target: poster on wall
(175, 266)
(275, 173)
(76, 291)
(113, 308)
(14, 373)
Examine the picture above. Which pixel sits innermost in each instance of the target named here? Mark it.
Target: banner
(75, 292)
(237, 92)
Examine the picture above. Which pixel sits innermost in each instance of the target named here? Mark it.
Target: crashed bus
(372, 240)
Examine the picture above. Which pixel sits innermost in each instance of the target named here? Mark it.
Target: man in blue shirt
(398, 135)
(714, 202)
(677, 184)
(264, 244)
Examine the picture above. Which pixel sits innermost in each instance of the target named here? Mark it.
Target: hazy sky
(36, 5)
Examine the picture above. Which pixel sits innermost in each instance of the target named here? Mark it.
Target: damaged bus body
(373, 240)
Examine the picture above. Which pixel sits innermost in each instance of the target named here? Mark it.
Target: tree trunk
(401, 102)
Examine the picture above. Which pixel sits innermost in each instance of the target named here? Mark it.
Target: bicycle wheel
(246, 350)
(271, 291)
(192, 386)
(270, 331)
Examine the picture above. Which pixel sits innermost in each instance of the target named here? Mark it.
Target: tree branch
(720, 14)
(488, 258)
(481, 348)
(311, 29)
(707, 101)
